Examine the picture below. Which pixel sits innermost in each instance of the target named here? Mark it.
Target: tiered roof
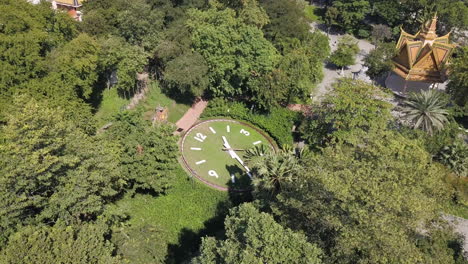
(422, 57)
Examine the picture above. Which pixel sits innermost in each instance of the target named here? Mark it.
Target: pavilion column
(405, 87)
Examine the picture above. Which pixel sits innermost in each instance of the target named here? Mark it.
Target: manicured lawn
(189, 210)
(110, 105)
(210, 161)
(156, 98)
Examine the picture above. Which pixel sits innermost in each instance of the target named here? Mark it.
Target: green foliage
(273, 169)
(187, 73)
(249, 11)
(147, 154)
(345, 53)
(124, 59)
(277, 123)
(353, 110)
(234, 51)
(427, 110)
(27, 34)
(299, 70)
(136, 21)
(311, 13)
(348, 13)
(458, 85)
(68, 244)
(287, 21)
(75, 63)
(379, 60)
(50, 169)
(255, 237)
(455, 157)
(366, 204)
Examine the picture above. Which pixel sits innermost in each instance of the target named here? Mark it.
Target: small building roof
(422, 57)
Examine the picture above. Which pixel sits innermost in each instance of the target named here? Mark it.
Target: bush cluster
(277, 123)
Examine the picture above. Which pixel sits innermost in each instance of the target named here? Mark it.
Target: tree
(426, 110)
(75, 63)
(455, 156)
(272, 169)
(27, 34)
(458, 79)
(83, 243)
(234, 52)
(187, 74)
(255, 237)
(367, 203)
(50, 169)
(345, 53)
(379, 60)
(147, 154)
(352, 111)
(381, 33)
(123, 59)
(350, 13)
(287, 20)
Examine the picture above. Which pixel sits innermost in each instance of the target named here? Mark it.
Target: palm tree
(272, 169)
(426, 110)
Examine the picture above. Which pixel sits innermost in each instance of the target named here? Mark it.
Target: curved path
(191, 116)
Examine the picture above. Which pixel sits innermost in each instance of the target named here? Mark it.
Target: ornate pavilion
(422, 57)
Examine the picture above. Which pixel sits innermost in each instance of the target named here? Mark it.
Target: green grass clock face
(214, 152)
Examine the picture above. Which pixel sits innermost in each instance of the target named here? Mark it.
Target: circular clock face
(214, 152)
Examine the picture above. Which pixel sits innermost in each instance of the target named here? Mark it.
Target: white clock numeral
(213, 173)
(195, 148)
(228, 128)
(233, 178)
(212, 130)
(200, 162)
(245, 132)
(257, 142)
(200, 137)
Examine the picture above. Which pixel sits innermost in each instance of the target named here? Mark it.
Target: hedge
(278, 123)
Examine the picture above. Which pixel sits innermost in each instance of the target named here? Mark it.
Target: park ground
(191, 210)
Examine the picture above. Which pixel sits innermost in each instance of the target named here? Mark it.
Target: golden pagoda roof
(422, 57)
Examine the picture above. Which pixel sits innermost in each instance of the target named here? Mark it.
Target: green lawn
(189, 210)
(110, 105)
(210, 156)
(156, 98)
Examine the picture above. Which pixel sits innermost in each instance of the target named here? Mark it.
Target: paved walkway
(191, 116)
(330, 73)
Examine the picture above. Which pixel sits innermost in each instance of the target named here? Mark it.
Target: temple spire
(428, 30)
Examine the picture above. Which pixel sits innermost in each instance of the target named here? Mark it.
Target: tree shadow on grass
(190, 241)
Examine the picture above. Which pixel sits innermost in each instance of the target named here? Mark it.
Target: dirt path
(191, 116)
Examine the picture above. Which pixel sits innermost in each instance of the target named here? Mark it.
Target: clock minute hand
(235, 156)
(227, 146)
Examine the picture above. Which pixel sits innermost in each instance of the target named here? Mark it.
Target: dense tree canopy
(255, 237)
(147, 154)
(234, 51)
(51, 169)
(348, 114)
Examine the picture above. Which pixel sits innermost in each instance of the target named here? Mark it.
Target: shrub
(277, 123)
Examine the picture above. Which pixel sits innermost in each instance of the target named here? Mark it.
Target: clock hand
(227, 146)
(235, 156)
